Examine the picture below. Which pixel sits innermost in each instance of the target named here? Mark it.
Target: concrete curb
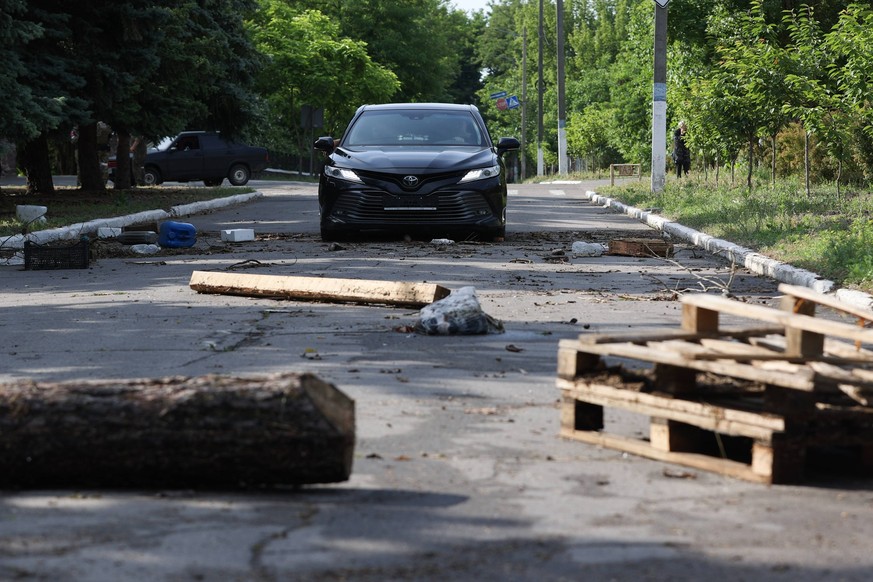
(755, 262)
(74, 231)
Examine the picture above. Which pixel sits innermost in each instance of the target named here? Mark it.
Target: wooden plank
(707, 416)
(698, 320)
(640, 247)
(826, 301)
(318, 289)
(800, 380)
(572, 362)
(641, 448)
(678, 334)
(799, 342)
(833, 348)
(715, 303)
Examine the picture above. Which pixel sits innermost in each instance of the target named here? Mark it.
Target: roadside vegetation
(826, 232)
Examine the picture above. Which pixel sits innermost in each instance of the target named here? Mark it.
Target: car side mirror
(506, 144)
(325, 144)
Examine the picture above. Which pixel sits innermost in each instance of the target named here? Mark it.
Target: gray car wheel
(151, 177)
(239, 175)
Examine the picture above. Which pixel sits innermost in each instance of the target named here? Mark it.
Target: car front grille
(452, 207)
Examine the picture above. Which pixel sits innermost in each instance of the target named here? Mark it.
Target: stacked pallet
(749, 402)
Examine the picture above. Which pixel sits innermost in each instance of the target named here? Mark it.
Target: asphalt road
(459, 472)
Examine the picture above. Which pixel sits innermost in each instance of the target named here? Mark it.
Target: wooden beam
(718, 304)
(318, 288)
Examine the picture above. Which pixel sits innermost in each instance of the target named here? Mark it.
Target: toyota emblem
(410, 181)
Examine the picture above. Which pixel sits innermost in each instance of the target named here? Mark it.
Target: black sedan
(419, 170)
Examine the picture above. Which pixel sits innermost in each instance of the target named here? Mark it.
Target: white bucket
(30, 213)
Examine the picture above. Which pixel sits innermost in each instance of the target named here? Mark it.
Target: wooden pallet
(748, 402)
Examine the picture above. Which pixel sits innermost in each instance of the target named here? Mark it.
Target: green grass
(823, 233)
(71, 205)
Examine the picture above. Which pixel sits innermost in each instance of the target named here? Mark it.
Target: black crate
(41, 257)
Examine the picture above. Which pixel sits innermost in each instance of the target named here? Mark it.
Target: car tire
(213, 181)
(151, 177)
(239, 175)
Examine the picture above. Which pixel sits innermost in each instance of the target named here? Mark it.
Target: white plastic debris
(585, 249)
(442, 241)
(238, 235)
(108, 231)
(145, 249)
(29, 213)
(457, 314)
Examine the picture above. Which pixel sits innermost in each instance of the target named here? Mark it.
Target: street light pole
(659, 98)
(562, 117)
(540, 89)
(523, 98)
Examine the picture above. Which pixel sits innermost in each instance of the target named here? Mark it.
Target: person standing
(681, 153)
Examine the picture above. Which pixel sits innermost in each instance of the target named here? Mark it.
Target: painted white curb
(74, 231)
(755, 262)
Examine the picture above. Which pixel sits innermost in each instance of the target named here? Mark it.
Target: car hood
(420, 159)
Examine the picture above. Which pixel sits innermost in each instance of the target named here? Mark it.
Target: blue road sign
(512, 102)
(498, 95)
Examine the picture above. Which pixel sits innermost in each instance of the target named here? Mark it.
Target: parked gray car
(202, 155)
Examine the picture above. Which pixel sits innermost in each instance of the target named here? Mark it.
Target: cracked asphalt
(459, 472)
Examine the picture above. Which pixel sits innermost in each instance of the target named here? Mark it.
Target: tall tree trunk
(717, 168)
(839, 177)
(90, 174)
(139, 149)
(33, 157)
(122, 162)
(806, 161)
(773, 161)
(751, 162)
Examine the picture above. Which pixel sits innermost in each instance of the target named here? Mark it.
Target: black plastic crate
(42, 257)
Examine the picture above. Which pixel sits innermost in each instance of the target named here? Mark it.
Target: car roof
(442, 106)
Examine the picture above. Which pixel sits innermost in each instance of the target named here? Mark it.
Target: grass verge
(824, 233)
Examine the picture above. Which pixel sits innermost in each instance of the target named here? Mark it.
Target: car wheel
(151, 177)
(213, 181)
(239, 175)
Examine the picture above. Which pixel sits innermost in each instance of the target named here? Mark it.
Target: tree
(52, 84)
(415, 39)
(309, 63)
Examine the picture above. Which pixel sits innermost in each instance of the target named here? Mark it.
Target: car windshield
(414, 127)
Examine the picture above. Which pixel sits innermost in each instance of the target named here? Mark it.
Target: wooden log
(318, 288)
(208, 431)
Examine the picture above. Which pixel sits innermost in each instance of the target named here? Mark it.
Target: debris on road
(238, 235)
(641, 247)
(585, 249)
(457, 314)
(207, 431)
(318, 288)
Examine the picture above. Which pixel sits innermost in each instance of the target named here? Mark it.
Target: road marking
(557, 193)
(512, 192)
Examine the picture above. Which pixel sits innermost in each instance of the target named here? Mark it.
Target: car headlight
(342, 174)
(481, 174)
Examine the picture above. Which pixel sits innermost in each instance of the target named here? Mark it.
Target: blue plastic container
(177, 234)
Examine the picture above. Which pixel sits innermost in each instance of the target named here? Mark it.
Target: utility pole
(659, 98)
(540, 89)
(523, 97)
(562, 117)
